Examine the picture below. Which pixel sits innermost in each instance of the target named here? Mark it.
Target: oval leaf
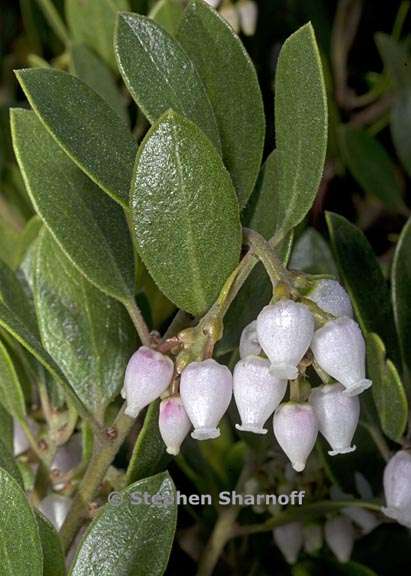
(8, 463)
(401, 291)
(88, 226)
(232, 85)
(88, 334)
(6, 429)
(159, 74)
(362, 276)
(300, 128)
(53, 555)
(11, 393)
(168, 14)
(85, 126)
(185, 212)
(312, 254)
(401, 128)
(20, 550)
(131, 539)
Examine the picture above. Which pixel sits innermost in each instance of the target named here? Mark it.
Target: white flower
(257, 393)
(213, 3)
(397, 488)
(313, 538)
(174, 424)
(337, 415)
(296, 429)
(285, 330)
(148, 375)
(249, 345)
(68, 456)
(55, 508)
(339, 349)
(331, 297)
(20, 441)
(289, 539)
(248, 12)
(231, 16)
(206, 388)
(339, 535)
(364, 519)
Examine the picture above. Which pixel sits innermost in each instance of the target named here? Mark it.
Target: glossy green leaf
(168, 14)
(387, 389)
(371, 166)
(401, 291)
(401, 127)
(53, 555)
(11, 393)
(185, 212)
(87, 333)
(92, 22)
(159, 74)
(89, 227)
(149, 454)
(8, 463)
(312, 254)
(6, 429)
(300, 127)
(14, 244)
(20, 550)
(131, 539)
(85, 126)
(395, 58)
(91, 70)
(231, 82)
(362, 276)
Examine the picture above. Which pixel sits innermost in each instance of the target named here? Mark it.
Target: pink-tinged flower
(174, 424)
(397, 488)
(285, 330)
(148, 375)
(339, 535)
(257, 393)
(289, 539)
(206, 388)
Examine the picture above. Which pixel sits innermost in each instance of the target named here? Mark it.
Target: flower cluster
(271, 350)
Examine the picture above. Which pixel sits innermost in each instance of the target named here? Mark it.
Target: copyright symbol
(115, 499)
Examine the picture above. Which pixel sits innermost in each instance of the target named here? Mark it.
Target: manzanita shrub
(165, 309)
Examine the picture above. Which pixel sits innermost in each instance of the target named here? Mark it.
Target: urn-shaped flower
(248, 12)
(55, 508)
(249, 344)
(285, 330)
(397, 488)
(296, 430)
(339, 535)
(206, 388)
(331, 297)
(257, 393)
(148, 375)
(337, 415)
(289, 539)
(339, 349)
(313, 537)
(174, 423)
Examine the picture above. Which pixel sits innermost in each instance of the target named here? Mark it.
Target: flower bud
(285, 330)
(174, 424)
(397, 488)
(68, 456)
(339, 535)
(289, 539)
(331, 297)
(249, 344)
(363, 518)
(248, 13)
(213, 3)
(257, 393)
(337, 415)
(313, 538)
(339, 349)
(296, 429)
(20, 441)
(148, 375)
(206, 388)
(230, 15)
(55, 508)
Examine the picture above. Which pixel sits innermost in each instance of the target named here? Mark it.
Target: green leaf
(92, 22)
(132, 539)
(88, 334)
(185, 213)
(371, 166)
(6, 429)
(159, 74)
(85, 126)
(312, 254)
(388, 391)
(231, 82)
(11, 393)
(300, 127)
(91, 70)
(149, 454)
(8, 463)
(89, 227)
(395, 58)
(20, 550)
(401, 127)
(168, 14)
(14, 296)
(401, 291)
(362, 276)
(53, 555)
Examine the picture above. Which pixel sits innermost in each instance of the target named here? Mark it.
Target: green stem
(264, 252)
(139, 322)
(378, 440)
(54, 19)
(222, 533)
